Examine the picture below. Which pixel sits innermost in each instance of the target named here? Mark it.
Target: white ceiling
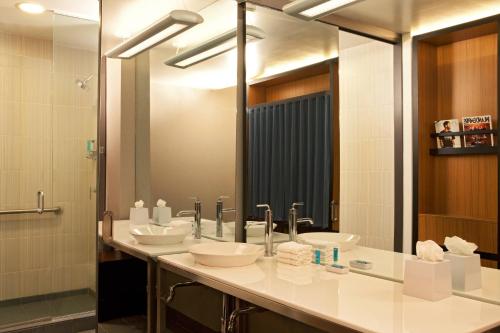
(290, 43)
(412, 16)
(66, 28)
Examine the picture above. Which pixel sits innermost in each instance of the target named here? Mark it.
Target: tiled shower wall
(45, 120)
(367, 142)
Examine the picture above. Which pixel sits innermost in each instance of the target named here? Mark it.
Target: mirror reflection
(292, 101)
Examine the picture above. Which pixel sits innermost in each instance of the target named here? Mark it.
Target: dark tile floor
(15, 313)
(135, 324)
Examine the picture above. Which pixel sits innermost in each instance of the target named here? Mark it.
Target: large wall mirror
(292, 104)
(321, 130)
(193, 118)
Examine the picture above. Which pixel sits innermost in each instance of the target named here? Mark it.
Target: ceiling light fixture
(313, 9)
(212, 48)
(169, 26)
(30, 7)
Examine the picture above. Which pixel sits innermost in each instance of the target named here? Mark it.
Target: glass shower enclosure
(48, 120)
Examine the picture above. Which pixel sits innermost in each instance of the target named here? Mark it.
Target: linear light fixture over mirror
(212, 48)
(313, 9)
(169, 26)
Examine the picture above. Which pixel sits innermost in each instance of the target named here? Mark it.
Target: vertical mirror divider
(498, 145)
(241, 181)
(398, 146)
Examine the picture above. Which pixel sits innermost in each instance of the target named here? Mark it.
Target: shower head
(83, 83)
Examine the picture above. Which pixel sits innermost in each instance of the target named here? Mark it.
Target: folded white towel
(288, 255)
(293, 247)
(294, 262)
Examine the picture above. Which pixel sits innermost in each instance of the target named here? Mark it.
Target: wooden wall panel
(256, 95)
(480, 231)
(427, 99)
(466, 80)
(300, 87)
(457, 194)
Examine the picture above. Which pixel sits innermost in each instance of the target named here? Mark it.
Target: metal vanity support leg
(171, 292)
(161, 307)
(236, 313)
(228, 305)
(151, 289)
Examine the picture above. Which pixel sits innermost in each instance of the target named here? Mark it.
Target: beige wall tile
(44, 122)
(367, 158)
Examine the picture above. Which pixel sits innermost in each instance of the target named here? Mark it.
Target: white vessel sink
(252, 231)
(345, 242)
(226, 254)
(156, 235)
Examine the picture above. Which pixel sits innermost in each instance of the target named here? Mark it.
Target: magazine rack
(456, 190)
(464, 150)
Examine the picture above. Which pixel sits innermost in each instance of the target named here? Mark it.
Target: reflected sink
(345, 241)
(226, 254)
(156, 235)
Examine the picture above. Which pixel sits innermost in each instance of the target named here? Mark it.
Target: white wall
(193, 146)
(366, 77)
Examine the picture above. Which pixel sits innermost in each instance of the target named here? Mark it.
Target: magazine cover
(477, 123)
(450, 125)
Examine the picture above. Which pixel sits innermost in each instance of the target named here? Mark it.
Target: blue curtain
(289, 157)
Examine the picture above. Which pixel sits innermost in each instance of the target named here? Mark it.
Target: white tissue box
(162, 215)
(139, 215)
(427, 280)
(465, 271)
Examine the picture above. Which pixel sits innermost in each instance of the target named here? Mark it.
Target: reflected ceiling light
(30, 7)
(169, 26)
(313, 9)
(212, 48)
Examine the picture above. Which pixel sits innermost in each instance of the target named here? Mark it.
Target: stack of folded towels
(295, 254)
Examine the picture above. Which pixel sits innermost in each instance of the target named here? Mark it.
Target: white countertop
(390, 265)
(122, 237)
(353, 300)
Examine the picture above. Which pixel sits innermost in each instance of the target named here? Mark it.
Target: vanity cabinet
(456, 192)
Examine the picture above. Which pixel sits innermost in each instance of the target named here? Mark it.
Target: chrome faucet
(196, 213)
(219, 211)
(269, 229)
(293, 220)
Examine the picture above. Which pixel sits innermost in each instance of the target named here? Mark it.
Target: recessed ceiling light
(30, 7)
(313, 9)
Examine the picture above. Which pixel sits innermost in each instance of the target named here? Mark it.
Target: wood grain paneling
(256, 95)
(265, 94)
(458, 195)
(300, 87)
(483, 232)
(427, 97)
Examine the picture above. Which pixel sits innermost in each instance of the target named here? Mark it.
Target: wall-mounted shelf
(479, 150)
(476, 132)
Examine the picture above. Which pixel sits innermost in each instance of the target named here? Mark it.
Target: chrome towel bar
(40, 210)
(30, 211)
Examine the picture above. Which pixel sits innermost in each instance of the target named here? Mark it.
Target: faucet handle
(296, 204)
(222, 197)
(266, 206)
(254, 223)
(195, 198)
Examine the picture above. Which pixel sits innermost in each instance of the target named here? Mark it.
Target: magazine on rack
(444, 126)
(477, 123)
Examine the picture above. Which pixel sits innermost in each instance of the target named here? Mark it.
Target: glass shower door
(47, 203)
